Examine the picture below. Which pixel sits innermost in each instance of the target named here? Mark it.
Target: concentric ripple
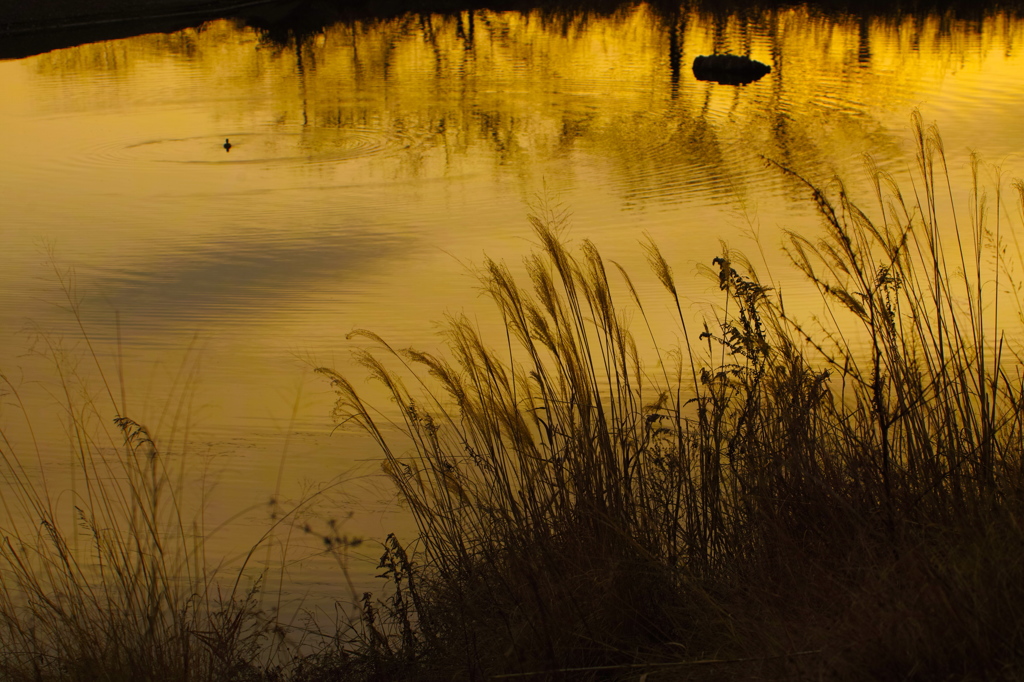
(317, 145)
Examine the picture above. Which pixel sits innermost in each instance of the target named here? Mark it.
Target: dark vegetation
(776, 499)
(771, 501)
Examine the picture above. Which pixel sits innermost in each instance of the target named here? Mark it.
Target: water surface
(372, 162)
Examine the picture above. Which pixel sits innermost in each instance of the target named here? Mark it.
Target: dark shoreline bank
(58, 15)
(45, 25)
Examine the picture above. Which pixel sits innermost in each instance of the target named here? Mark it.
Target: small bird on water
(227, 145)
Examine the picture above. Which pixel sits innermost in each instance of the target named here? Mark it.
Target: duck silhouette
(227, 145)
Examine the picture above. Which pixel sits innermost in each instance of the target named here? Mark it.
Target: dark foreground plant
(777, 502)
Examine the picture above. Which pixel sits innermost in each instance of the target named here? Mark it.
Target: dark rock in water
(729, 69)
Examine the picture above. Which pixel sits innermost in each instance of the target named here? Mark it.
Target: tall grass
(777, 498)
(107, 575)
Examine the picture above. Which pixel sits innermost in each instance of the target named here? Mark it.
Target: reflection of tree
(524, 87)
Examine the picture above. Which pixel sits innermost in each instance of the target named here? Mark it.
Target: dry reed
(785, 502)
(108, 577)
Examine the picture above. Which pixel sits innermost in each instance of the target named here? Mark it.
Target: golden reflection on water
(372, 160)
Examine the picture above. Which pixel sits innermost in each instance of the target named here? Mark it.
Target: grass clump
(769, 501)
(109, 578)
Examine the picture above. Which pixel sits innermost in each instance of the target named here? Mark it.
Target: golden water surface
(373, 163)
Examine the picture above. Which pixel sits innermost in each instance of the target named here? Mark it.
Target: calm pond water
(373, 162)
